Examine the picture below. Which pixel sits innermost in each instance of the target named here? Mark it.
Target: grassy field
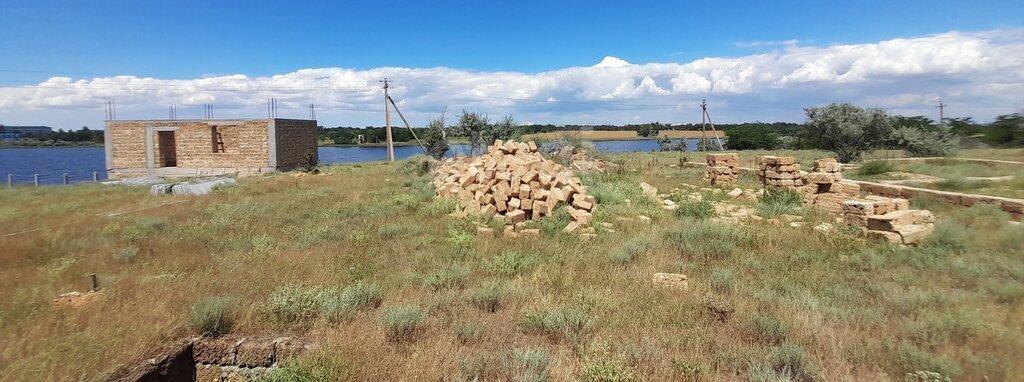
(366, 262)
(954, 175)
(615, 135)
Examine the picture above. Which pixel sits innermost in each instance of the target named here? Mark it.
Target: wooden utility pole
(942, 111)
(387, 121)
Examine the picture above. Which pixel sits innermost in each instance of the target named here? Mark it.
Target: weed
(777, 201)
(554, 224)
(467, 332)
(926, 376)
(697, 209)
(511, 263)
(336, 306)
(528, 365)
(949, 238)
(689, 370)
(722, 281)
(451, 276)
(769, 330)
(569, 323)
(488, 296)
(143, 227)
(705, 239)
(789, 358)
(441, 206)
(401, 323)
(213, 316)
(459, 239)
(1006, 292)
(318, 367)
(295, 304)
(392, 230)
(631, 250)
(876, 167)
(602, 366)
(127, 255)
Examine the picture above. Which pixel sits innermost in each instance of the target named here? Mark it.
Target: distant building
(208, 147)
(26, 129)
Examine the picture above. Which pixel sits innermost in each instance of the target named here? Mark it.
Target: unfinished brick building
(207, 147)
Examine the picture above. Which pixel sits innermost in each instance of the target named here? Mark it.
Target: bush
(876, 167)
(922, 142)
(926, 376)
(769, 330)
(697, 209)
(401, 323)
(847, 130)
(569, 323)
(213, 316)
(339, 305)
(295, 304)
(451, 276)
(511, 263)
(722, 281)
(467, 332)
(488, 296)
(528, 365)
(631, 250)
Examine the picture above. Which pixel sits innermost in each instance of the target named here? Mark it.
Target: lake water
(80, 162)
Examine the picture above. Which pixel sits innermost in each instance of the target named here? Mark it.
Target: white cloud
(979, 74)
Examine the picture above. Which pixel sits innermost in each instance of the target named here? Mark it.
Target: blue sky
(186, 40)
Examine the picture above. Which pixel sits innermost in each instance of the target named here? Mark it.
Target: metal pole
(65, 178)
(95, 283)
(95, 176)
(35, 179)
(10, 180)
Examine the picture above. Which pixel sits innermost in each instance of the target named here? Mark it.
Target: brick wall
(295, 138)
(246, 144)
(127, 144)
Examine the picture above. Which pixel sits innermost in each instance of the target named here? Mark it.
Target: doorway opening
(167, 155)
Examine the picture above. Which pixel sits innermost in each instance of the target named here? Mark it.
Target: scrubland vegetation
(366, 262)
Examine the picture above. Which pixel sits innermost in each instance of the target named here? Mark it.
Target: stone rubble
(513, 182)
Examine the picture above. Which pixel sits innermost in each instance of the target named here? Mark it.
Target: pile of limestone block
(513, 182)
(824, 187)
(780, 171)
(722, 168)
(889, 219)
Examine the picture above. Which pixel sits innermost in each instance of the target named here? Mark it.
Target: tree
(472, 126)
(847, 130)
(434, 139)
(648, 129)
(752, 137)
(1006, 130)
(505, 129)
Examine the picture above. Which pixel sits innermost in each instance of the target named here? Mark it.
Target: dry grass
(820, 307)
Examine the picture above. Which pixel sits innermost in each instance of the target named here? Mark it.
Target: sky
(573, 62)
